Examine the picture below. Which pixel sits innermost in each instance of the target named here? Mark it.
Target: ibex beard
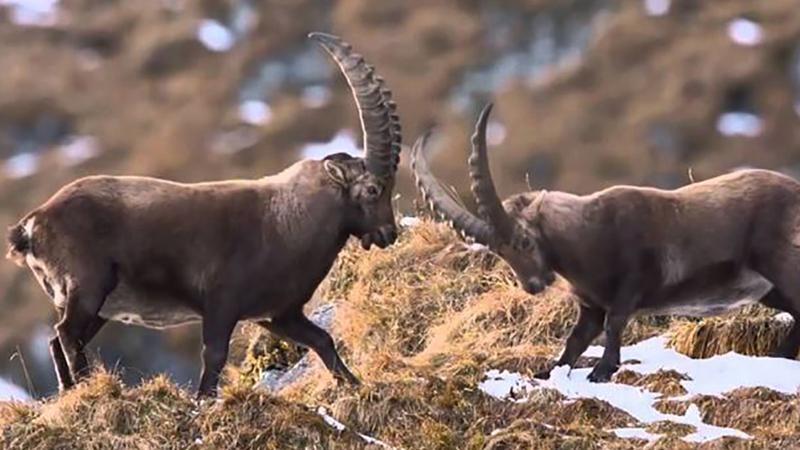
(162, 254)
(699, 250)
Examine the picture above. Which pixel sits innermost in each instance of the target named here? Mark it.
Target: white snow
(784, 317)
(37, 13)
(316, 96)
(215, 36)
(254, 112)
(343, 141)
(635, 433)
(656, 7)
(21, 165)
(77, 149)
(504, 385)
(712, 376)
(477, 247)
(745, 32)
(410, 221)
(739, 123)
(495, 133)
(339, 426)
(10, 391)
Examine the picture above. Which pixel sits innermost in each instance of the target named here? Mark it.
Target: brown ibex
(703, 249)
(160, 254)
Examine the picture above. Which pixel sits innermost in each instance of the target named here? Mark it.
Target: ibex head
(509, 229)
(367, 182)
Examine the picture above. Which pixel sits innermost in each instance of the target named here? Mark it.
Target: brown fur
(159, 253)
(699, 250)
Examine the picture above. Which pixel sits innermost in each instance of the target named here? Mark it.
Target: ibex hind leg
(80, 323)
(791, 343)
(298, 329)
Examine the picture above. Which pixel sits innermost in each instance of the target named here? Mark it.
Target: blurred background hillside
(589, 93)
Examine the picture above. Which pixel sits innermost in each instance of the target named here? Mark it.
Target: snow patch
(316, 96)
(215, 36)
(495, 133)
(477, 247)
(339, 426)
(77, 149)
(255, 112)
(784, 317)
(739, 123)
(505, 385)
(343, 141)
(635, 433)
(711, 376)
(745, 32)
(10, 391)
(21, 165)
(35, 13)
(410, 221)
(656, 7)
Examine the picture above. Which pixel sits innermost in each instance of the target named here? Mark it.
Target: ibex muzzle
(703, 249)
(160, 254)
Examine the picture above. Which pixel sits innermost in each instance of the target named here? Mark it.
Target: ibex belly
(699, 299)
(152, 310)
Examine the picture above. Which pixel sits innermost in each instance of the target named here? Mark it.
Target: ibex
(159, 254)
(702, 249)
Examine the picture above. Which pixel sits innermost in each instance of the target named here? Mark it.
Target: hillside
(423, 324)
(588, 93)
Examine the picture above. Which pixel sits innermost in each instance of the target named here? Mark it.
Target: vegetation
(420, 323)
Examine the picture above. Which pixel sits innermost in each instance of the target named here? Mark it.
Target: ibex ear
(336, 172)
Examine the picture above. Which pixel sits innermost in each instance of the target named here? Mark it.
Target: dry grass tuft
(741, 333)
(420, 323)
(101, 413)
(670, 429)
(667, 382)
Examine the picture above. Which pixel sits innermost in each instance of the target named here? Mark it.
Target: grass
(419, 323)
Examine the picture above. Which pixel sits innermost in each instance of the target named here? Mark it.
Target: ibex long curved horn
(490, 207)
(441, 202)
(379, 123)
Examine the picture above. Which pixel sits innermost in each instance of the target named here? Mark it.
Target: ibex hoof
(601, 374)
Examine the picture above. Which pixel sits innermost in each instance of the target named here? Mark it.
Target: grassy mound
(420, 324)
(753, 331)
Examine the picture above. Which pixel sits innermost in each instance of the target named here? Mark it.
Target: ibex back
(699, 250)
(160, 254)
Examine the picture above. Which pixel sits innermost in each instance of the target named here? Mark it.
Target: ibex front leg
(586, 329)
(297, 328)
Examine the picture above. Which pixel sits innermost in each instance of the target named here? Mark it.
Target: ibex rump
(699, 250)
(160, 254)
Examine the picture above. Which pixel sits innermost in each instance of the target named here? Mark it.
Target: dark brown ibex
(160, 254)
(699, 250)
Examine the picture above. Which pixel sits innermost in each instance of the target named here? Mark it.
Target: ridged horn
(379, 122)
(440, 200)
(490, 207)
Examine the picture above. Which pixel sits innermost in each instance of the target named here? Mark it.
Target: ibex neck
(559, 216)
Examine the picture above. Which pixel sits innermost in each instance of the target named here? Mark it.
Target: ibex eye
(372, 191)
